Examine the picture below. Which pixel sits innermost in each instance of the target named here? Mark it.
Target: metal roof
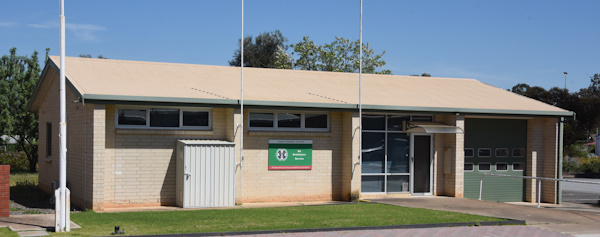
(116, 81)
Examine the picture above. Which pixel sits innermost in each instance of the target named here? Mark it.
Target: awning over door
(433, 128)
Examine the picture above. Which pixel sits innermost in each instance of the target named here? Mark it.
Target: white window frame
(506, 149)
(516, 149)
(484, 163)
(513, 166)
(496, 166)
(302, 127)
(472, 165)
(479, 149)
(471, 150)
(147, 126)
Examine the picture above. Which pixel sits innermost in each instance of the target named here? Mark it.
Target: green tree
(18, 77)
(422, 75)
(90, 56)
(267, 51)
(341, 55)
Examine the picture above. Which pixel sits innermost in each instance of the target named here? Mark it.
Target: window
(501, 166)
(468, 166)
(421, 118)
(518, 152)
(289, 121)
(484, 167)
(469, 152)
(518, 166)
(48, 139)
(484, 152)
(163, 117)
(501, 152)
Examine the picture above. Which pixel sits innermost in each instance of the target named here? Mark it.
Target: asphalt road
(581, 193)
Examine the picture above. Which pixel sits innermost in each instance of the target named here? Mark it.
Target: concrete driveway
(573, 221)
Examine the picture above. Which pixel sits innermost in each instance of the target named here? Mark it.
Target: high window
(163, 117)
(289, 121)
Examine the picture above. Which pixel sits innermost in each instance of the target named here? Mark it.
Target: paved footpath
(495, 231)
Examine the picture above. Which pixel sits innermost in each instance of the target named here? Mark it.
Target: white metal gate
(205, 173)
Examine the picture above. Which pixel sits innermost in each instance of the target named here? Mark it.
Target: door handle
(412, 159)
(187, 176)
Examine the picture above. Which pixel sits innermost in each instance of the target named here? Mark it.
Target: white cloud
(81, 31)
(7, 24)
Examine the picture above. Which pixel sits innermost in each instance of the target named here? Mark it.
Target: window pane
(372, 184)
(261, 120)
(395, 122)
(164, 118)
(397, 183)
(397, 148)
(468, 166)
(287, 120)
(501, 152)
(484, 167)
(373, 122)
(469, 152)
(419, 118)
(373, 152)
(132, 117)
(501, 166)
(195, 118)
(518, 166)
(315, 120)
(519, 152)
(484, 152)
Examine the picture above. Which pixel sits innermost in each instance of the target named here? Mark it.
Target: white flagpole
(242, 92)
(360, 87)
(63, 127)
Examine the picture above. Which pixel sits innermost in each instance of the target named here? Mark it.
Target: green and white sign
(290, 154)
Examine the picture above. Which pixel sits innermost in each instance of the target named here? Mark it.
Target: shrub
(16, 160)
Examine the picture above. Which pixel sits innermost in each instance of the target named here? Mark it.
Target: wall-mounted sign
(290, 154)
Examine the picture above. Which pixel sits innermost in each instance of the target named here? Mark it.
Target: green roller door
(495, 146)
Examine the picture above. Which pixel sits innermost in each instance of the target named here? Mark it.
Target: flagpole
(360, 87)
(63, 128)
(242, 92)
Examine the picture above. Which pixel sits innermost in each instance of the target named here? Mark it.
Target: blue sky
(500, 43)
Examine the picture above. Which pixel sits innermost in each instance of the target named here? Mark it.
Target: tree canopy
(262, 51)
(269, 50)
(18, 77)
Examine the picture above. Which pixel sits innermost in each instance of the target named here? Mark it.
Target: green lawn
(252, 219)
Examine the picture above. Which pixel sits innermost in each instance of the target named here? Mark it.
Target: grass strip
(256, 219)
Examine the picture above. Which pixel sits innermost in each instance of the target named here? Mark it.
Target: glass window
(518, 152)
(468, 166)
(160, 117)
(421, 118)
(373, 122)
(261, 120)
(395, 122)
(501, 152)
(484, 152)
(131, 117)
(397, 148)
(484, 167)
(469, 152)
(195, 118)
(315, 120)
(501, 166)
(373, 152)
(372, 184)
(397, 183)
(518, 166)
(287, 120)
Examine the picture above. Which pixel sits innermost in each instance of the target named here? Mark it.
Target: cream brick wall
(139, 164)
(351, 171)
(542, 155)
(323, 182)
(449, 184)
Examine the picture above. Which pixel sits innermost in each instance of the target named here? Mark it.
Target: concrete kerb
(387, 227)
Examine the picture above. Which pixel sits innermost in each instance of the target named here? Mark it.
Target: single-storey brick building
(148, 134)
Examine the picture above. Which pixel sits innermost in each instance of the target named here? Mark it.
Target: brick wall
(4, 190)
(542, 155)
